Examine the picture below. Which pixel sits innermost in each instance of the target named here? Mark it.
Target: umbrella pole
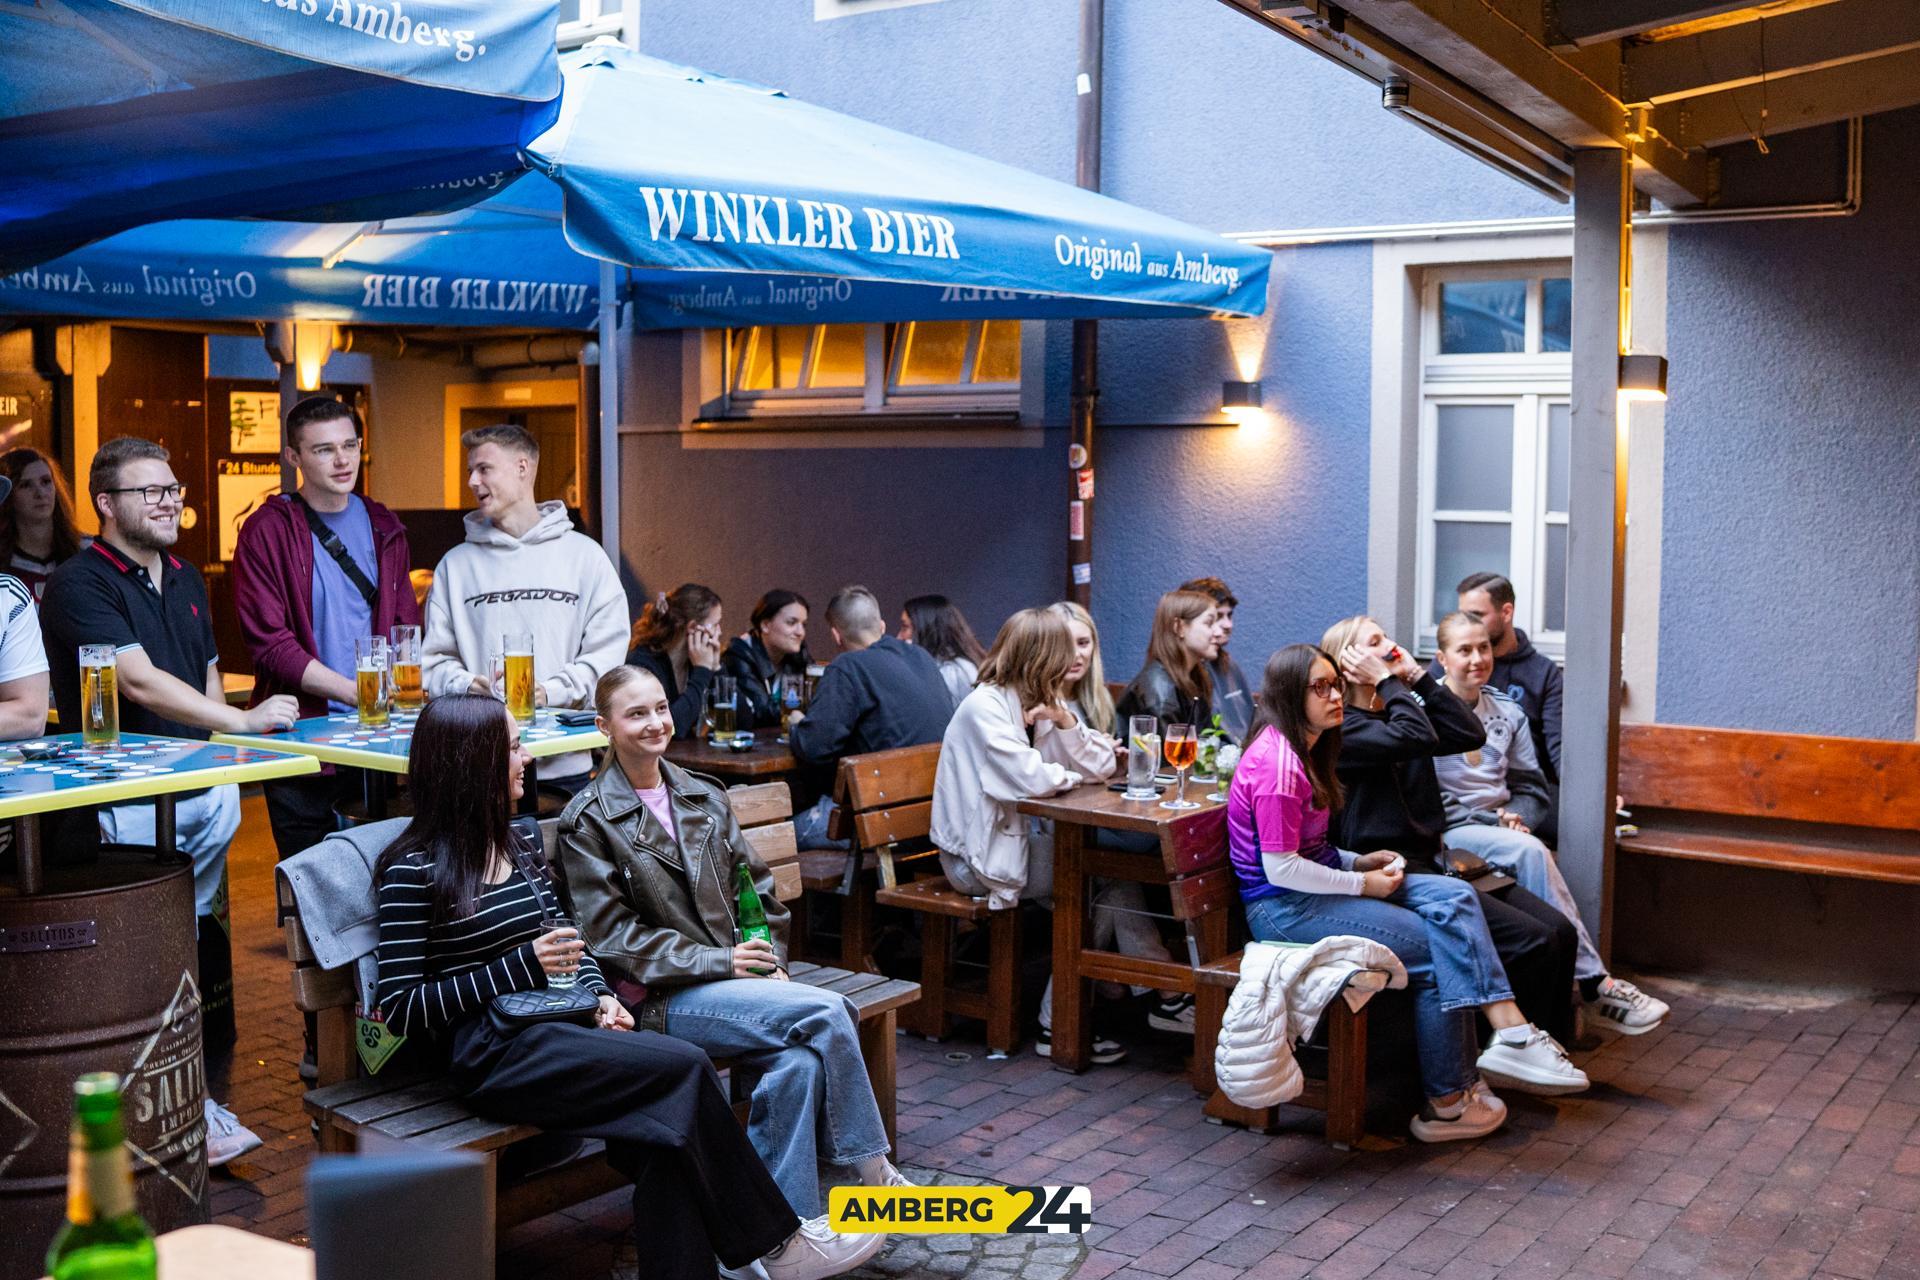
(1086, 333)
(608, 428)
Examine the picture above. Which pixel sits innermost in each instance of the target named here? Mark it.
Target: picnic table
(769, 757)
(59, 771)
(382, 752)
(1188, 857)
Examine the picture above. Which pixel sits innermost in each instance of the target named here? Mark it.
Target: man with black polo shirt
(129, 590)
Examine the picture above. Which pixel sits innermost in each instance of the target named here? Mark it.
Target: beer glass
(789, 693)
(1181, 747)
(99, 695)
(1143, 756)
(723, 697)
(403, 649)
(371, 673)
(517, 671)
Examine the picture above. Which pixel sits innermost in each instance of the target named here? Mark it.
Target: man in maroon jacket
(313, 572)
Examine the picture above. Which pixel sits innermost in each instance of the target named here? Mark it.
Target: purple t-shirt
(1272, 795)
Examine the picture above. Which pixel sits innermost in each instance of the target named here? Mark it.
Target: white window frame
(617, 18)
(881, 396)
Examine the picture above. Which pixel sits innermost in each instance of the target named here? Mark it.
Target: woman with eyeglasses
(1398, 720)
(1496, 795)
(1298, 886)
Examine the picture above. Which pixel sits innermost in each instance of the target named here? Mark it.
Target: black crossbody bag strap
(331, 544)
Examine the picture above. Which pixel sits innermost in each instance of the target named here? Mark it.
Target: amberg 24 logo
(958, 1210)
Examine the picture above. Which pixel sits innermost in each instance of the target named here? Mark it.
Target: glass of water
(1143, 757)
(548, 925)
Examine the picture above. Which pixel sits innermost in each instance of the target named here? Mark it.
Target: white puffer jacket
(1284, 987)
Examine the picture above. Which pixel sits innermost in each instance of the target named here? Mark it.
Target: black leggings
(700, 1190)
(1536, 945)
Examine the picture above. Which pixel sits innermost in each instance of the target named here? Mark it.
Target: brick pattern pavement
(1777, 1139)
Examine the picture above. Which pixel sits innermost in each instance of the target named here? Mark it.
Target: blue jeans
(1531, 863)
(813, 1101)
(1435, 926)
(203, 827)
(810, 826)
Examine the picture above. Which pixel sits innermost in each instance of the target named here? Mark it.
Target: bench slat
(760, 803)
(315, 988)
(894, 777)
(903, 822)
(935, 895)
(1795, 777)
(378, 1107)
(1774, 855)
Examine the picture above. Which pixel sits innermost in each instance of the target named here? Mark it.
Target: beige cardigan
(987, 767)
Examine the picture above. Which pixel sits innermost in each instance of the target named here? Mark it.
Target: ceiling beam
(1797, 43)
(1818, 97)
(1499, 60)
(1765, 11)
(1584, 22)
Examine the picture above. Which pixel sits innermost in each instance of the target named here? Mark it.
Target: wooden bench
(424, 1110)
(1846, 807)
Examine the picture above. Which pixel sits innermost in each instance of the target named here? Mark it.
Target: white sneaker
(1539, 1065)
(1477, 1114)
(1175, 1015)
(816, 1251)
(1627, 1009)
(894, 1178)
(227, 1138)
(752, 1271)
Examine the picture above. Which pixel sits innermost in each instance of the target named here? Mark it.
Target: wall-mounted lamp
(1239, 395)
(1643, 377)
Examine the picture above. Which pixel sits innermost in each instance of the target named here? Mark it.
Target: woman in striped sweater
(462, 896)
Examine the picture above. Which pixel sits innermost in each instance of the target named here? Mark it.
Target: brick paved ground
(1770, 1137)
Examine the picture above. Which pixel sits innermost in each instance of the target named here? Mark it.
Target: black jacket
(886, 695)
(1386, 767)
(754, 672)
(1153, 693)
(1533, 680)
(686, 704)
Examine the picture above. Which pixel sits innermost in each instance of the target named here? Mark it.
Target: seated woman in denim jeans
(1299, 888)
(1497, 794)
(650, 854)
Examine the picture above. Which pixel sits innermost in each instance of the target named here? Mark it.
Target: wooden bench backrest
(1792, 777)
(888, 795)
(764, 810)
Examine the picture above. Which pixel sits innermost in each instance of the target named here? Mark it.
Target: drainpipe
(1086, 333)
(609, 424)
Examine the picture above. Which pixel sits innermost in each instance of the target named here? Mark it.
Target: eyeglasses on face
(1327, 690)
(154, 494)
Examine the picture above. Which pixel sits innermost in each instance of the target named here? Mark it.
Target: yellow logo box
(932, 1211)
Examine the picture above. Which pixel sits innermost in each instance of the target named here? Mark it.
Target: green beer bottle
(105, 1237)
(753, 917)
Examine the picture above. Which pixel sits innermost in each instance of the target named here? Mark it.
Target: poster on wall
(22, 416)
(244, 488)
(253, 422)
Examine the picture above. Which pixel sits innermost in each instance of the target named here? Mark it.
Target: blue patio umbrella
(115, 113)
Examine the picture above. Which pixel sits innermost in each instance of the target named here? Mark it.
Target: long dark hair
(768, 608)
(941, 629)
(662, 625)
(1191, 676)
(66, 536)
(457, 776)
(1283, 704)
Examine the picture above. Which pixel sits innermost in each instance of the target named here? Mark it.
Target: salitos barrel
(99, 974)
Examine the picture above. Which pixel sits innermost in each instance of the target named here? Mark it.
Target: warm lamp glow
(1642, 377)
(312, 344)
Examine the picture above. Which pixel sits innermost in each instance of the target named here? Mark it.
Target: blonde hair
(1031, 656)
(1334, 642)
(1453, 622)
(1175, 612)
(613, 682)
(1091, 693)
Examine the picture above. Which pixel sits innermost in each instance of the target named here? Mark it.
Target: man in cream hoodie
(523, 568)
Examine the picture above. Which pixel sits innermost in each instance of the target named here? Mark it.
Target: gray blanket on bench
(332, 885)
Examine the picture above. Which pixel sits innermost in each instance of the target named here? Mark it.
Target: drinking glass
(548, 924)
(517, 674)
(99, 695)
(1143, 757)
(371, 672)
(723, 701)
(789, 694)
(403, 649)
(1181, 746)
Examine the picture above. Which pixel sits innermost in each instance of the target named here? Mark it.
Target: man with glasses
(129, 590)
(314, 571)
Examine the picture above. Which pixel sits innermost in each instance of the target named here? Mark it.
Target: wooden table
(227, 1253)
(1190, 860)
(382, 752)
(137, 767)
(769, 757)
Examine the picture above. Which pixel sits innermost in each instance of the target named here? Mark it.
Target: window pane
(1460, 549)
(1556, 582)
(1559, 455)
(842, 361)
(1483, 316)
(1474, 458)
(936, 353)
(789, 352)
(569, 10)
(1556, 314)
(999, 358)
(756, 360)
